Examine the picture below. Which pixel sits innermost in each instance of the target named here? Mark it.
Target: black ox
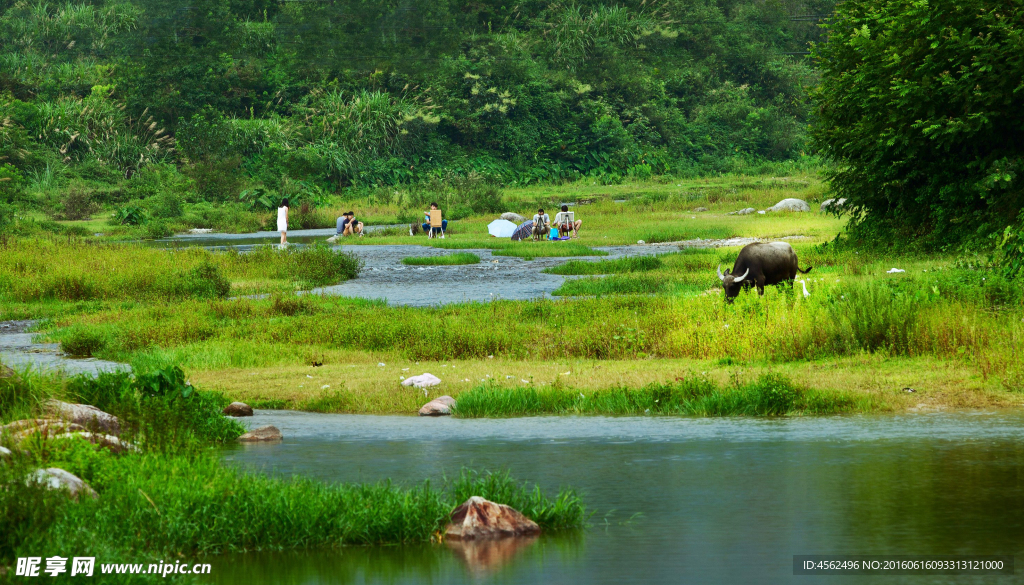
(759, 265)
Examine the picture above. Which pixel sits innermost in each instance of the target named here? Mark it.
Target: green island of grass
(455, 259)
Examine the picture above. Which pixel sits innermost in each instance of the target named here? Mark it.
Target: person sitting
(426, 219)
(353, 226)
(541, 224)
(564, 225)
(346, 226)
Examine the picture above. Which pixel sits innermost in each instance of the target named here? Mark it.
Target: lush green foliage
(919, 110)
(769, 395)
(146, 108)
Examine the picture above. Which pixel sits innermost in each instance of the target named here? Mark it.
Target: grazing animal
(759, 265)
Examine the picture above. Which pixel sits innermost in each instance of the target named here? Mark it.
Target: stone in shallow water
(480, 518)
(440, 406)
(267, 433)
(238, 409)
(56, 478)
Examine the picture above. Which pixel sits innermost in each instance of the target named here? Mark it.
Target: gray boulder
(700, 210)
(513, 217)
(267, 433)
(89, 417)
(480, 518)
(440, 406)
(832, 203)
(790, 205)
(238, 409)
(55, 478)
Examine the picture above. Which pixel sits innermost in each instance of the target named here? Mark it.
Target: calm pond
(677, 500)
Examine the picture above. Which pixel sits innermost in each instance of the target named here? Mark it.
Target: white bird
(804, 284)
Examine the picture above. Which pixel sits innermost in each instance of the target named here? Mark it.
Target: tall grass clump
(617, 266)
(449, 260)
(769, 395)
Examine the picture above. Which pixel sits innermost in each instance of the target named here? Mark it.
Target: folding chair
(436, 222)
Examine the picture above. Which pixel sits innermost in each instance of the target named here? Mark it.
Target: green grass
(769, 395)
(617, 266)
(450, 260)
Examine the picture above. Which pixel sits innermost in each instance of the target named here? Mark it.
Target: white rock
(895, 270)
(746, 211)
(89, 417)
(424, 380)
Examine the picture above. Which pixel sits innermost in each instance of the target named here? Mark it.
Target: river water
(676, 500)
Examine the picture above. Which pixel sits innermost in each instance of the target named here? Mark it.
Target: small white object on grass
(405, 369)
(641, 242)
(325, 386)
(380, 364)
(308, 376)
(490, 357)
(804, 284)
(895, 270)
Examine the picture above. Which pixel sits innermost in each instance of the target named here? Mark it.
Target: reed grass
(449, 260)
(770, 394)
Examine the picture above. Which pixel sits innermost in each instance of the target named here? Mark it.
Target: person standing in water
(282, 221)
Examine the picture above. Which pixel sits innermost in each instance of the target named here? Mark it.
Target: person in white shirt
(564, 225)
(282, 221)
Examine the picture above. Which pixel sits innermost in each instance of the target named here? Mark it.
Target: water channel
(676, 500)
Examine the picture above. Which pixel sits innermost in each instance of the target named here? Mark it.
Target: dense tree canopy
(345, 92)
(921, 110)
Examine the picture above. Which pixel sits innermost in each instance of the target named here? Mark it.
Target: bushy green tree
(920, 111)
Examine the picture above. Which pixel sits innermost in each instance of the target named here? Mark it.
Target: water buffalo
(760, 264)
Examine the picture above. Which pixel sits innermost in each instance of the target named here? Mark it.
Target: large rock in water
(513, 217)
(267, 433)
(238, 409)
(440, 406)
(480, 518)
(89, 417)
(56, 478)
(790, 205)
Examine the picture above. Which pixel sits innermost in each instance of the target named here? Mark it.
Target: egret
(804, 284)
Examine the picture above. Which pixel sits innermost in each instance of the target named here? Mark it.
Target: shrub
(319, 265)
(77, 204)
(204, 281)
(129, 215)
(81, 342)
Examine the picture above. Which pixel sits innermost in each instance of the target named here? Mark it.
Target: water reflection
(483, 557)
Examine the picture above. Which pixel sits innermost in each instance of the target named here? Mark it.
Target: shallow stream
(677, 500)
